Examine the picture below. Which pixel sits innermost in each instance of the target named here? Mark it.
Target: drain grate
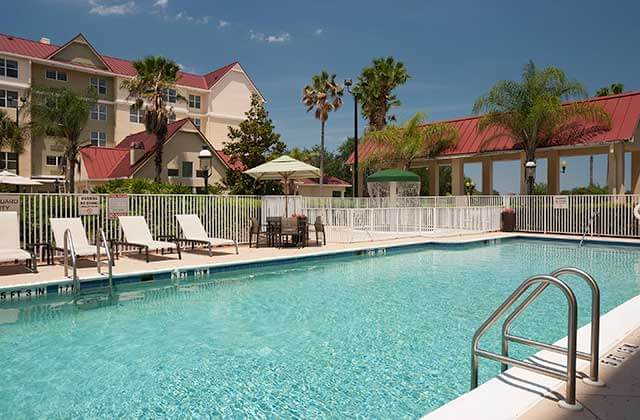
(628, 348)
(616, 358)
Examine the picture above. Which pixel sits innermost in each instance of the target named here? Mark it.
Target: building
(622, 137)
(214, 100)
(311, 187)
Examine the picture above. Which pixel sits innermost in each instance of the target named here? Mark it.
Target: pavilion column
(615, 169)
(635, 172)
(361, 182)
(434, 179)
(487, 176)
(553, 173)
(457, 177)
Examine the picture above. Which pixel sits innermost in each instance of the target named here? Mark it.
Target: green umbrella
(393, 175)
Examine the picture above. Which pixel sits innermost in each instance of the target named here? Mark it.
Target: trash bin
(508, 220)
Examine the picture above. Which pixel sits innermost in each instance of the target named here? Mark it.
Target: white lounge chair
(194, 233)
(80, 241)
(10, 250)
(136, 234)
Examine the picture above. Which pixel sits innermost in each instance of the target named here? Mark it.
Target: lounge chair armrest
(171, 238)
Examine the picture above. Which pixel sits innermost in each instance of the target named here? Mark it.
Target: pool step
(94, 297)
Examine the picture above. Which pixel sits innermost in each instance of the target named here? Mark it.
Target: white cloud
(318, 32)
(271, 39)
(203, 20)
(223, 24)
(161, 3)
(108, 8)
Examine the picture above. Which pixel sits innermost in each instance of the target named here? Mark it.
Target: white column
(457, 177)
(487, 176)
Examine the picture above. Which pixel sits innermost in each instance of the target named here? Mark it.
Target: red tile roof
(36, 49)
(328, 180)
(226, 159)
(624, 110)
(112, 163)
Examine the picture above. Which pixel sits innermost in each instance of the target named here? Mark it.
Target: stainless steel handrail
(101, 238)
(69, 249)
(589, 227)
(592, 356)
(572, 314)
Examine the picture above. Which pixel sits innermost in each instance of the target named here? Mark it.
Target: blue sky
(454, 50)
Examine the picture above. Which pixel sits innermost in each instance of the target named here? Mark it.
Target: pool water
(355, 336)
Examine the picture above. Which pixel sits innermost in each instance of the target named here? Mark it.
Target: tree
(156, 77)
(613, 89)
(532, 114)
(14, 135)
(375, 90)
(253, 143)
(62, 113)
(400, 146)
(325, 95)
(334, 162)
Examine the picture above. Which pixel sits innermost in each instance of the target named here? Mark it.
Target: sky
(454, 51)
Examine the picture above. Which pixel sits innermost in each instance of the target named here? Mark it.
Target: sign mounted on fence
(9, 203)
(118, 205)
(88, 205)
(560, 202)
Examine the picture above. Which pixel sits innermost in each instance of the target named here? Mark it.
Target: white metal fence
(223, 216)
(601, 215)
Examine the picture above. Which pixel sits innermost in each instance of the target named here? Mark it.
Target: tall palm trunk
(322, 152)
(158, 157)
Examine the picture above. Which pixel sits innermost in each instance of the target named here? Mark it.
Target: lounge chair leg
(236, 244)
(210, 252)
(178, 249)
(146, 252)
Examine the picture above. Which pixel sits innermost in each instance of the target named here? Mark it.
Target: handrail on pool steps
(569, 376)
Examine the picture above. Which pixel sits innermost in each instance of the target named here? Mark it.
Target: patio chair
(80, 241)
(10, 250)
(255, 230)
(319, 228)
(290, 228)
(194, 233)
(136, 234)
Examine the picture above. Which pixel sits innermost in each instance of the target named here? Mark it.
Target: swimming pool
(353, 336)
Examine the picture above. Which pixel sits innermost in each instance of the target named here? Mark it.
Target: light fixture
(530, 169)
(205, 157)
(563, 166)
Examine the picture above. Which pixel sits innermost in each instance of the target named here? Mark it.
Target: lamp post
(530, 174)
(205, 158)
(563, 166)
(354, 188)
(470, 186)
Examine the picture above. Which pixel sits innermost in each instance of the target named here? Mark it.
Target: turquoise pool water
(358, 336)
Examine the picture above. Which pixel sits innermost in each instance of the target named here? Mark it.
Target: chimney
(136, 152)
(44, 40)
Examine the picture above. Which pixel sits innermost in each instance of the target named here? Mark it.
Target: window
(196, 122)
(8, 161)
(98, 138)
(187, 169)
(100, 85)
(55, 161)
(173, 172)
(99, 112)
(169, 95)
(194, 101)
(56, 75)
(8, 68)
(172, 117)
(136, 115)
(8, 99)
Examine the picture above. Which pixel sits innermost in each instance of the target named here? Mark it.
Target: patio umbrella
(7, 177)
(284, 168)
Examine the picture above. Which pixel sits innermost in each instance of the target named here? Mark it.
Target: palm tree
(13, 135)
(155, 76)
(402, 145)
(375, 90)
(325, 95)
(62, 113)
(613, 89)
(532, 114)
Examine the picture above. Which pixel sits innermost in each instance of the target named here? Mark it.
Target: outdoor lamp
(563, 166)
(205, 158)
(354, 187)
(530, 169)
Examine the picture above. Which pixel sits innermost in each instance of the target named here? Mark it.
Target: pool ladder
(94, 293)
(569, 376)
(589, 227)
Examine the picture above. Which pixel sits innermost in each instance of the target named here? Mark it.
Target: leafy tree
(150, 89)
(531, 112)
(62, 113)
(253, 143)
(401, 145)
(334, 162)
(14, 136)
(375, 90)
(613, 89)
(324, 95)
(593, 189)
(140, 186)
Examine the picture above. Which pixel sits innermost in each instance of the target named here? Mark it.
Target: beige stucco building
(213, 102)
